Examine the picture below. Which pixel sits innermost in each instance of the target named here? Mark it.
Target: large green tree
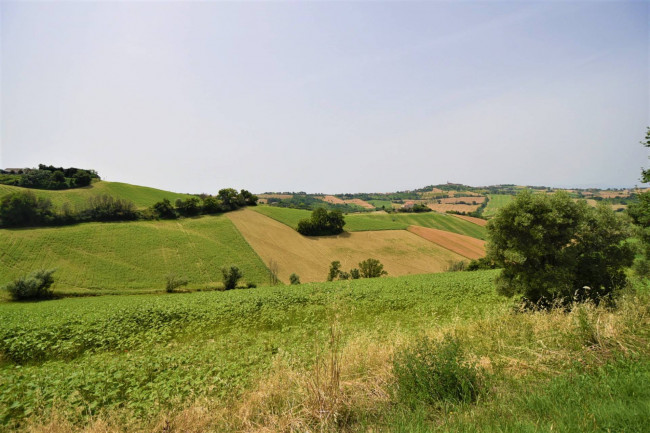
(553, 248)
(640, 213)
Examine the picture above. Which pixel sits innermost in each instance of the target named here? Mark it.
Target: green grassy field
(277, 356)
(150, 352)
(129, 255)
(141, 196)
(369, 222)
(379, 203)
(497, 201)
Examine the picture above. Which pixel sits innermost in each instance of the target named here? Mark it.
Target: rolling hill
(141, 196)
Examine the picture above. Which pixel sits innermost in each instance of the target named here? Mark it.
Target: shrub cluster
(226, 200)
(416, 208)
(369, 268)
(36, 285)
(322, 223)
(25, 209)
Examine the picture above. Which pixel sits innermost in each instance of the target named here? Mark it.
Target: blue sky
(328, 96)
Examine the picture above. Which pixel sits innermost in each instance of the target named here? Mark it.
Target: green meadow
(496, 202)
(96, 257)
(141, 196)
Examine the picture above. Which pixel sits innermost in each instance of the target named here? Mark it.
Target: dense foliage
(552, 248)
(640, 213)
(322, 223)
(49, 177)
(36, 285)
(25, 209)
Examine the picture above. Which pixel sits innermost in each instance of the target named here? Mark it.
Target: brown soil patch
(478, 221)
(466, 199)
(466, 246)
(453, 207)
(357, 201)
(400, 252)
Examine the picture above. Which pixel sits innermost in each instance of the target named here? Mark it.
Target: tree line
(49, 177)
(25, 209)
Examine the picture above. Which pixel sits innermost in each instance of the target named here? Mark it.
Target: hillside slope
(401, 252)
(133, 255)
(141, 196)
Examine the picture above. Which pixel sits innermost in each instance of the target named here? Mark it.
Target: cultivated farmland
(95, 257)
(401, 252)
(496, 202)
(466, 246)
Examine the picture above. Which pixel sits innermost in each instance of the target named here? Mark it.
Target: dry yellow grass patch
(479, 221)
(400, 252)
(453, 207)
(357, 201)
(466, 246)
(458, 199)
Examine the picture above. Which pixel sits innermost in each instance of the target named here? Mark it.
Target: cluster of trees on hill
(25, 209)
(322, 223)
(49, 177)
(309, 202)
(416, 208)
(226, 200)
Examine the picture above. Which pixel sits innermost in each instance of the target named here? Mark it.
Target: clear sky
(328, 96)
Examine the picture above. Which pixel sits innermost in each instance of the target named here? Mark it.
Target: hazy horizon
(329, 97)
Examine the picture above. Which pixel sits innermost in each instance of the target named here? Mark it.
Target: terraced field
(400, 252)
(381, 221)
(124, 256)
(141, 196)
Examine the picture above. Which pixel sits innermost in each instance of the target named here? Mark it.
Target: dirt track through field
(466, 246)
(401, 252)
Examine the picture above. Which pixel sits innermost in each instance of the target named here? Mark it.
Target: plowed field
(466, 246)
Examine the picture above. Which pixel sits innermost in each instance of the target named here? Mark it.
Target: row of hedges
(49, 177)
(25, 209)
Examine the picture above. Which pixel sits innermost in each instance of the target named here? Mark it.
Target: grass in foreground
(326, 352)
(98, 257)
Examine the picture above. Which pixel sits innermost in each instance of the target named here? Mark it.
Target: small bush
(335, 270)
(174, 282)
(456, 266)
(251, 285)
(432, 372)
(34, 286)
(372, 268)
(231, 277)
(294, 279)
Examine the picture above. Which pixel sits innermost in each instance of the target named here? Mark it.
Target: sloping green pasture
(141, 196)
(496, 202)
(130, 255)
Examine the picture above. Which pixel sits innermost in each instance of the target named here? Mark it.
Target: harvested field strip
(466, 246)
(467, 200)
(479, 221)
(133, 255)
(356, 201)
(401, 252)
